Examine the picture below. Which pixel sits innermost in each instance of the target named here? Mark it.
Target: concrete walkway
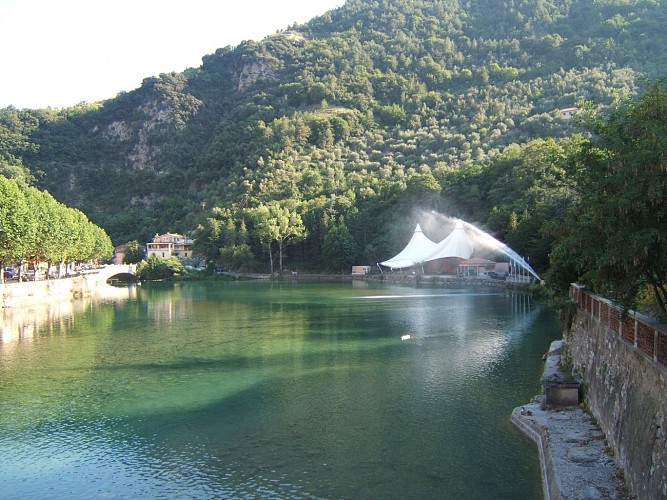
(575, 459)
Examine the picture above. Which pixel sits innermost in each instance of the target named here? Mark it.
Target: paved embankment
(37, 292)
(26, 293)
(574, 455)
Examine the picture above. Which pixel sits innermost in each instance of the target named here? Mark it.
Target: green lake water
(272, 390)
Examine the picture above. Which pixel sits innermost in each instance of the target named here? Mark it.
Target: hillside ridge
(357, 117)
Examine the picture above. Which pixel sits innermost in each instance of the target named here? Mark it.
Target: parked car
(33, 275)
(8, 274)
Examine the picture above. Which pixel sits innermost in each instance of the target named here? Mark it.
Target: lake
(272, 390)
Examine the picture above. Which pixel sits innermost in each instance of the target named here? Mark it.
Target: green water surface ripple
(274, 390)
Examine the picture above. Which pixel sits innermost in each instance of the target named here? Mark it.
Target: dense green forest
(320, 145)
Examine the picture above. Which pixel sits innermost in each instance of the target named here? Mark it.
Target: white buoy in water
(405, 337)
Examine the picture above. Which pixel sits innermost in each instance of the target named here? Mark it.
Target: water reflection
(21, 324)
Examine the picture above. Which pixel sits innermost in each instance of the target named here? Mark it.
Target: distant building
(168, 244)
(361, 270)
(568, 112)
(119, 254)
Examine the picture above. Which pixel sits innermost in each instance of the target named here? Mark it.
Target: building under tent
(502, 268)
(476, 266)
(414, 254)
(449, 252)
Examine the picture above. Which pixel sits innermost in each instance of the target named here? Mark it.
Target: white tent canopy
(457, 244)
(415, 252)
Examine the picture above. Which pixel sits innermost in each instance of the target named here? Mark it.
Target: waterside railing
(647, 336)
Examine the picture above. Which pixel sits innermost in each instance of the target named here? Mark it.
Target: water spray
(481, 238)
(494, 244)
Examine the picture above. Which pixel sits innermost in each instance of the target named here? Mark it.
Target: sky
(58, 53)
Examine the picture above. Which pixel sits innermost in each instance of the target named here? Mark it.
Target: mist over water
(275, 390)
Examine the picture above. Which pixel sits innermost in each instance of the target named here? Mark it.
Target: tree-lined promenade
(35, 228)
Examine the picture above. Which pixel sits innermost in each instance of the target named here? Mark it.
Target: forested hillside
(326, 139)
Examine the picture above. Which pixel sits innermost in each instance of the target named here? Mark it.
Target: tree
(208, 237)
(275, 222)
(390, 116)
(17, 223)
(84, 243)
(16, 171)
(236, 253)
(288, 227)
(339, 249)
(134, 252)
(157, 268)
(617, 234)
(265, 228)
(103, 249)
(422, 190)
(51, 239)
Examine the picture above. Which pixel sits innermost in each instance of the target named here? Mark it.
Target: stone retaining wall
(37, 292)
(441, 281)
(625, 388)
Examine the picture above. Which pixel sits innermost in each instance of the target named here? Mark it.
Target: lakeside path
(575, 458)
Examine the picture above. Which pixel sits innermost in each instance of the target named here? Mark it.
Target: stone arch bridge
(118, 272)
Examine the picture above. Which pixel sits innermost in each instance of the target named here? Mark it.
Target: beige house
(168, 244)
